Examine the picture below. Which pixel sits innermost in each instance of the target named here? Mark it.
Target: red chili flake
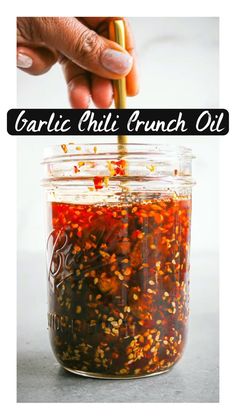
(119, 167)
(76, 170)
(98, 182)
(137, 234)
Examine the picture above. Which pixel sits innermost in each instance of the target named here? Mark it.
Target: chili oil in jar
(118, 257)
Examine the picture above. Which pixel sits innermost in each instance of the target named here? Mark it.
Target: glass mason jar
(118, 257)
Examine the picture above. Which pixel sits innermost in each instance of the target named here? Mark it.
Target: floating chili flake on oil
(118, 284)
(98, 182)
(64, 148)
(117, 168)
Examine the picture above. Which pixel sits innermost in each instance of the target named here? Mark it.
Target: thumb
(85, 47)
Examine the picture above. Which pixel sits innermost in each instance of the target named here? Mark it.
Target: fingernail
(24, 61)
(116, 61)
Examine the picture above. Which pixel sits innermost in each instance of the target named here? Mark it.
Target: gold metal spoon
(117, 34)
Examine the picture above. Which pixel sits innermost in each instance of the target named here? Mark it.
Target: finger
(102, 92)
(101, 24)
(93, 22)
(85, 47)
(132, 83)
(35, 61)
(77, 84)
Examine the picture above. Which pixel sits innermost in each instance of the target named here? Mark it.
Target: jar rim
(83, 164)
(71, 150)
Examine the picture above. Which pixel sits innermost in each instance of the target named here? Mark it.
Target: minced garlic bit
(78, 309)
(151, 168)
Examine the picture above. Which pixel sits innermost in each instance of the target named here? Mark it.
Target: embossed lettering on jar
(118, 257)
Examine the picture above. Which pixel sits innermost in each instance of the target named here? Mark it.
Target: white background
(178, 61)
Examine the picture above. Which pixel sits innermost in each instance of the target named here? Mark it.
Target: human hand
(88, 58)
